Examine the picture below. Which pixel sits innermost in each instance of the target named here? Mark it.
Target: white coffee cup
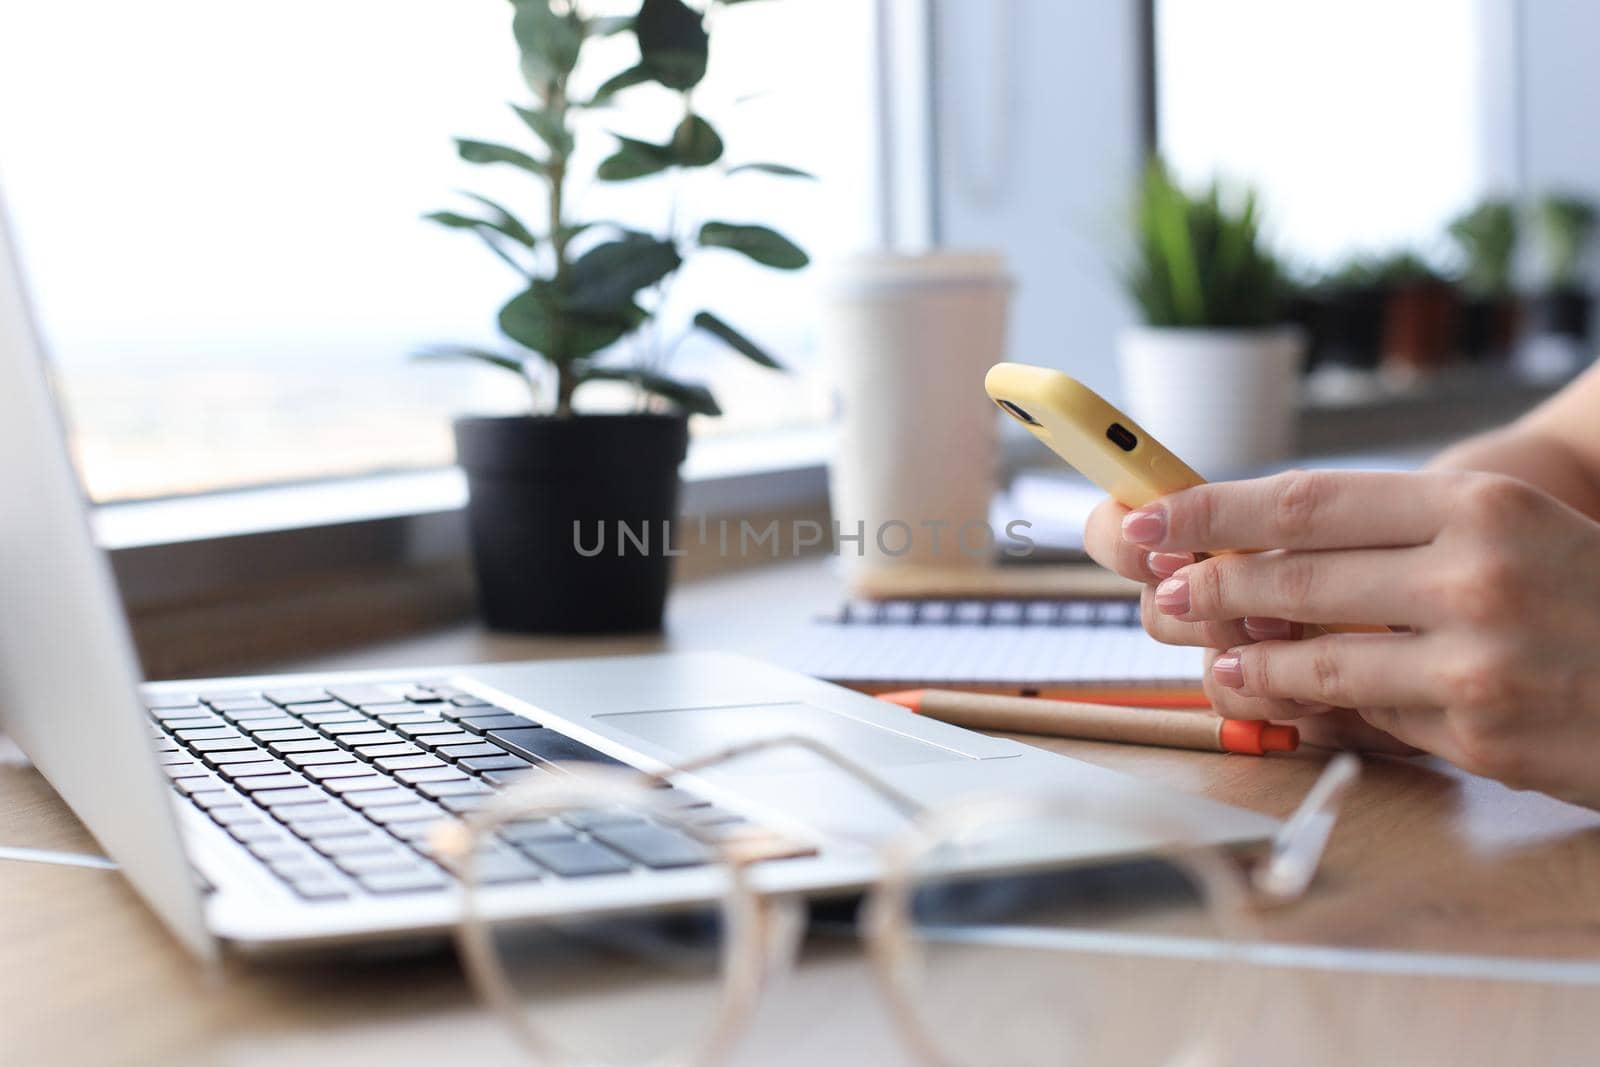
(907, 340)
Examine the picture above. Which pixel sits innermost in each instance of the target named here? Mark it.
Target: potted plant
(555, 494)
(1560, 313)
(1214, 370)
(1487, 238)
(1419, 317)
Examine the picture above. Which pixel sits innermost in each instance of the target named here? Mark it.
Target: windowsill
(781, 469)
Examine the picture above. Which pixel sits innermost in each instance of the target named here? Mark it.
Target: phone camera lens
(1017, 413)
(1122, 437)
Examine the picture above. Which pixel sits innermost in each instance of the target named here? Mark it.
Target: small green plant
(1487, 237)
(1199, 259)
(1566, 226)
(1406, 267)
(590, 283)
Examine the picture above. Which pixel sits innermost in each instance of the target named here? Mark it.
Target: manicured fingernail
(1172, 596)
(1227, 670)
(1166, 564)
(1147, 526)
(1263, 629)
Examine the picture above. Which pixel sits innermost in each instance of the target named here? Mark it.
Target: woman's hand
(1496, 585)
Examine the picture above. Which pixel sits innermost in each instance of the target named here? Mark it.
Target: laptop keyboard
(338, 791)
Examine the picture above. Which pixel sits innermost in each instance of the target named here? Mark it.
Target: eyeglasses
(1005, 931)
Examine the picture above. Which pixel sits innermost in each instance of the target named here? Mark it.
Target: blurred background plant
(590, 283)
(1566, 226)
(1487, 238)
(1200, 261)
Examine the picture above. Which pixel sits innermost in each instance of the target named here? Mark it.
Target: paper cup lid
(889, 270)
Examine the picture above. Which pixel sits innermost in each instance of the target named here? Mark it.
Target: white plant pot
(1224, 401)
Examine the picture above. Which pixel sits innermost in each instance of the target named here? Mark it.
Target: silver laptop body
(70, 696)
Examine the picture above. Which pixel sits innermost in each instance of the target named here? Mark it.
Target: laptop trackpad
(690, 732)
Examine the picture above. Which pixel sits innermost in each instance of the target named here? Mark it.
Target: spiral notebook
(1072, 648)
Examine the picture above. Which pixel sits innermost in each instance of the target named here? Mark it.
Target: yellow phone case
(1077, 424)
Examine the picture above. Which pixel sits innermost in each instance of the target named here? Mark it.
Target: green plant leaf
(735, 340)
(781, 170)
(635, 75)
(695, 143)
(467, 352)
(604, 279)
(502, 221)
(549, 43)
(760, 243)
(633, 159)
(548, 127)
(489, 152)
(485, 231)
(691, 396)
(673, 46)
(538, 319)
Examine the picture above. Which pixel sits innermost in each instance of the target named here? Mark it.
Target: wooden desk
(1425, 859)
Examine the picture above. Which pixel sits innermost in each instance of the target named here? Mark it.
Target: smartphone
(1077, 424)
(1102, 443)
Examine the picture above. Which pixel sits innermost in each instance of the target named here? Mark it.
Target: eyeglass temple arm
(1298, 847)
(906, 805)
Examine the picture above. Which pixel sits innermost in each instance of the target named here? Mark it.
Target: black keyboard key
(361, 725)
(339, 714)
(315, 744)
(654, 846)
(464, 787)
(417, 831)
(261, 726)
(408, 763)
(324, 809)
(194, 722)
(366, 694)
(462, 805)
(208, 733)
(482, 723)
(438, 741)
(395, 858)
(185, 768)
(347, 786)
(215, 798)
(330, 771)
(421, 694)
(302, 695)
(331, 756)
(539, 743)
(280, 852)
(483, 748)
(274, 798)
(431, 774)
(368, 841)
(252, 715)
(257, 833)
(223, 744)
(318, 886)
(575, 859)
(502, 779)
(537, 830)
(174, 757)
(416, 881)
(495, 763)
(395, 748)
(467, 700)
(237, 755)
(418, 729)
(253, 768)
(374, 798)
(323, 830)
(236, 815)
(268, 781)
(236, 703)
(298, 733)
(501, 867)
(198, 784)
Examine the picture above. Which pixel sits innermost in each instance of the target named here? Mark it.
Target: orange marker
(1097, 722)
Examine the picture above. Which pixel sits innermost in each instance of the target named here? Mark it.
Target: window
(218, 206)
(1363, 123)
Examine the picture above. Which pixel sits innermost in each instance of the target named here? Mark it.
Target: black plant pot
(1351, 330)
(1487, 328)
(1565, 312)
(546, 492)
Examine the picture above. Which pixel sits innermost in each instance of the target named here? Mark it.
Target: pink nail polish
(1228, 671)
(1166, 564)
(1265, 629)
(1172, 596)
(1146, 526)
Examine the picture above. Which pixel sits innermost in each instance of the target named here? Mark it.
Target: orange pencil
(1097, 722)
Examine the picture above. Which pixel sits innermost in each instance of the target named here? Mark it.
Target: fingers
(1213, 634)
(1298, 509)
(1344, 728)
(1232, 704)
(1103, 540)
(1424, 729)
(1353, 586)
(1341, 670)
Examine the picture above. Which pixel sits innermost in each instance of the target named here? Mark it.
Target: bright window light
(219, 207)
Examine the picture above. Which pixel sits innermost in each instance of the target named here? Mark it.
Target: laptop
(278, 814)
